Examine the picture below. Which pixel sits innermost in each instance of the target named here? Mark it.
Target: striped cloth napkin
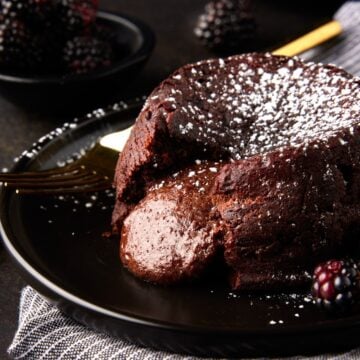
(344, 50)
(45, 333)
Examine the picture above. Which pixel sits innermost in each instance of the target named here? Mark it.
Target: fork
(95, 170)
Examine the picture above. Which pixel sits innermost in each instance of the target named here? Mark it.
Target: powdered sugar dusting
(257, 104)
(198, 176)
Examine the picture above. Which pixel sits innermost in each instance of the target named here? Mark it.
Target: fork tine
(44, 178)
(55, 179)
(80, 180)
(101, 185)
(40, 174)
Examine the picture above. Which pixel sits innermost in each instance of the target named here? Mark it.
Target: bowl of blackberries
(66, 54)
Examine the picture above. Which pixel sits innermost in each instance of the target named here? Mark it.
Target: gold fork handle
(311, 39)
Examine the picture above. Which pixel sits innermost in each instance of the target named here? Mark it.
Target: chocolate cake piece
(287, 133)
(284, 212)
(172, 234)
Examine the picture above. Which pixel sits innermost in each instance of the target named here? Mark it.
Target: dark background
(172, 22)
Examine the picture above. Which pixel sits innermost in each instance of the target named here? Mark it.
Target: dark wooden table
(172, 21)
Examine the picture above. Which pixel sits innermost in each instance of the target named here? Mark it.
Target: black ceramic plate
(58, 244)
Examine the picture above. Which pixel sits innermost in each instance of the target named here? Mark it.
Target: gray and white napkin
(46, 333)
(344, 50)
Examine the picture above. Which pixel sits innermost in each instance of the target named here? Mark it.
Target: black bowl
(65, 94)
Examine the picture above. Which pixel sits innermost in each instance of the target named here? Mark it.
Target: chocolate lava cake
(253, 160)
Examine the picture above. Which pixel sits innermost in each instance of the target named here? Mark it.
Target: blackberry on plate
(226, 25)
(18, 47)
(336, 284)
(84, 54)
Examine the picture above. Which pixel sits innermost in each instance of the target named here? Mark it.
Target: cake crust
(286, 194)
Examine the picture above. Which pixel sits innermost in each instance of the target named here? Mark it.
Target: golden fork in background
(95, 170)
(311, 39)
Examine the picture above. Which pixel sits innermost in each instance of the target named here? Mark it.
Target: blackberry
(35, 13)
(336, 284)
(74, 16)
(227, 25)
(19, 49)
(84, 54)
(103, 32)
